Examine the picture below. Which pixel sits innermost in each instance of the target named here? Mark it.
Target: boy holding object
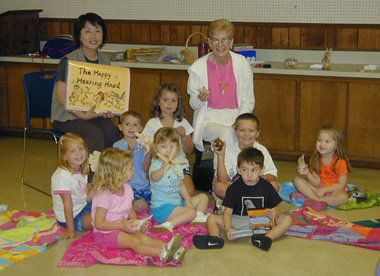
(248, 192)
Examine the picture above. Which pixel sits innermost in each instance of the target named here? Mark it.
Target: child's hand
(164, 165)
(67, 235)
(130, 226)
(144, 227)
(181, 131)
(303, 170)
(271, 213)
(88, 188)
(189, 204)
(219, 150)
(229, 236)
(320, 192)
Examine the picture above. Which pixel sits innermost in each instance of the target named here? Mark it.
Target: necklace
(223, 87)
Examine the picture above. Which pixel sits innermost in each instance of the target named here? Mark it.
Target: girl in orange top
(326, 178)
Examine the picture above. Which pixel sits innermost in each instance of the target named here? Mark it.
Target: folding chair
(38, 93)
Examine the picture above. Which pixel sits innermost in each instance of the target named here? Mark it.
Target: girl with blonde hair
(69, 185)
(171, 203)
(113, 216)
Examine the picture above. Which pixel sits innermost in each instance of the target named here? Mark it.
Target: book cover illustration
(260, 220)
(106, 87)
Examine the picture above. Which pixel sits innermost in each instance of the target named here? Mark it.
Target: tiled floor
(288, 255)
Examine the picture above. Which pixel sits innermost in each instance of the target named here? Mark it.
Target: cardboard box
(249, 54)
(243, 47)
(130, 54)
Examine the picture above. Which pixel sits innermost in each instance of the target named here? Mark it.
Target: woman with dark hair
(98, 130)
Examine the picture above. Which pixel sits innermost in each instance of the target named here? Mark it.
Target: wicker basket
(191, 55)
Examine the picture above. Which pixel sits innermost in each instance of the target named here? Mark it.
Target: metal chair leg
(36, 189)
(23, 157)
(23, 164)
(55, 139)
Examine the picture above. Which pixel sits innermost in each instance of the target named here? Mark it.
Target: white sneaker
(219, 208)
(163, 227)
(200, 218)
(170, 248)
(179, 255)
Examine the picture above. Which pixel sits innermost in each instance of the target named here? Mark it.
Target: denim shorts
(160, 214)
(143, 194)
(78, 220)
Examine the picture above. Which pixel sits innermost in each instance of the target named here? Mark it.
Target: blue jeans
(78, 220)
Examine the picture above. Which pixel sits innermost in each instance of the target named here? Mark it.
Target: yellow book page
(106, 87)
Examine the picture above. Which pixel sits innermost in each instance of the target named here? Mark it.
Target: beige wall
(304, 11)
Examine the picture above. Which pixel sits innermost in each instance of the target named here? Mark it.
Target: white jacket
(198, 78)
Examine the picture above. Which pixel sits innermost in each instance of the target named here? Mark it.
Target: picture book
(106, 87)
(259, 219)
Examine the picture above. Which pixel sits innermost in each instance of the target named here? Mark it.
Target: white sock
(199, 214)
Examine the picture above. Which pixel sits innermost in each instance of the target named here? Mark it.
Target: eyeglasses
(223, 40)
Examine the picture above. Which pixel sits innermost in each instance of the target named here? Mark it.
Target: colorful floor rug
(25, 234)
(373, 199)
(84, 252)
(310, 224)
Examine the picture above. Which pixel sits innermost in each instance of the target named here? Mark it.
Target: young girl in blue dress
(171, 203)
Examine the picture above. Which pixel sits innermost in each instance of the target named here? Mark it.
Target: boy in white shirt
(247, 129)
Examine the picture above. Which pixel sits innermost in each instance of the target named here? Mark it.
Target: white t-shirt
(154, 124)
(64, 182)
(231, 155)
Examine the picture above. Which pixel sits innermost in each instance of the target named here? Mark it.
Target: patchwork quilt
(310, 224)
(25, 234)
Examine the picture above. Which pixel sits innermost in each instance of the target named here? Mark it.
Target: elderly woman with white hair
(220, 86)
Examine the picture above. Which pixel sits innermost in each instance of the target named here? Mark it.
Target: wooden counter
(291, 104)
(292, 108)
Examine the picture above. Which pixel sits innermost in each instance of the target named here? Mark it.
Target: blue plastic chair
(38, 94)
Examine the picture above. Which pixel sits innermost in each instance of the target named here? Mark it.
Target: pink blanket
(310, 224)
(84, 252)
